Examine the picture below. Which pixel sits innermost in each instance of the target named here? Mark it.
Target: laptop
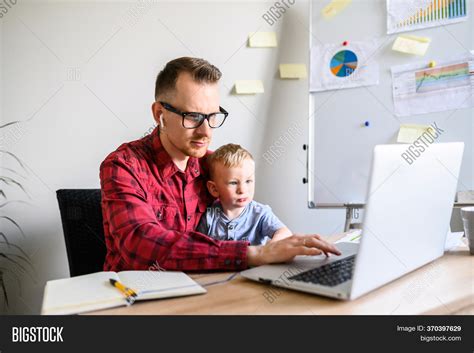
(405, 223)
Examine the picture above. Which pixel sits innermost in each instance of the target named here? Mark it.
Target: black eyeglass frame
(203, 116)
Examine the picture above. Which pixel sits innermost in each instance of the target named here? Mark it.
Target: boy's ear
(211, 186)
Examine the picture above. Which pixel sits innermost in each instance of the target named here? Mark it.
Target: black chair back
(81, 216)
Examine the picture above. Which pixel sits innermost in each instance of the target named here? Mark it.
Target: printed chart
(449, 76)
(448, 86)
(343, 63)
(338, 66)
(407, 15)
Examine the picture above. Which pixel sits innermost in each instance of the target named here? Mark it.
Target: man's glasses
(192, 120)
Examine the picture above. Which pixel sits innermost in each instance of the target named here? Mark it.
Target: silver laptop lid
(407, 213)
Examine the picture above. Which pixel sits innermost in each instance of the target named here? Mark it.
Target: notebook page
(81, 293)
(159, 284)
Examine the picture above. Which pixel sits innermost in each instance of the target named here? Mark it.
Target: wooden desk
(445, 286)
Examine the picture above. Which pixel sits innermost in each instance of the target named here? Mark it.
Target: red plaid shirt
(151, 210)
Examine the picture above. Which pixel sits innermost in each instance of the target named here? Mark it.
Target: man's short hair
(201, 71)
(230, 155)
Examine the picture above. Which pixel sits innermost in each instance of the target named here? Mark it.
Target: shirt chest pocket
(168, 216)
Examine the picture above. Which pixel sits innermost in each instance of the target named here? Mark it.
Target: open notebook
(94, 291)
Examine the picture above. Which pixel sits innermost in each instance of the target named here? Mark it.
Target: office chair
(81, 216)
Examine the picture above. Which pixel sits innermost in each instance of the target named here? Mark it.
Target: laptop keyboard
(328, 275)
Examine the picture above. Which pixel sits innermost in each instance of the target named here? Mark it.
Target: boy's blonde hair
(230, 155)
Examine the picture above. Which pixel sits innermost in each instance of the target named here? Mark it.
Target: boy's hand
(281, 233)
(286, 249)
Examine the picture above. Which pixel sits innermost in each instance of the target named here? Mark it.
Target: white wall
(80, 75)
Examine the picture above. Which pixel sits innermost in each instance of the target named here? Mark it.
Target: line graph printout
(449, 76)
(408, 15)
(418, 89)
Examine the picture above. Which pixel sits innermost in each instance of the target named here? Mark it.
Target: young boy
(235, 216)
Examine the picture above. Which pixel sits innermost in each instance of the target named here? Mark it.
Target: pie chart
(343, 63)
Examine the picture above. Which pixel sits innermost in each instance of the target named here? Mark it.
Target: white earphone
(162, 124)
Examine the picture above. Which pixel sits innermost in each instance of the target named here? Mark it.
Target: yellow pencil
(125, 290)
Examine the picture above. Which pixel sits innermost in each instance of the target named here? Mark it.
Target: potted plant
(13, 260)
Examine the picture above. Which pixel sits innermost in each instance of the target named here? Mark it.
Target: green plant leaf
(19, 268)
(18, 160)
(14, 223)
(5, 237)
(5, 256)
(10, 181)
(5, 295)
(14, 201)
(9, 257)
(10, 123)
(26, 259)
(14, 274)
(13, 171)
(15, 246)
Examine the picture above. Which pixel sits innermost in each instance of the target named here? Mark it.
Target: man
(154, 189)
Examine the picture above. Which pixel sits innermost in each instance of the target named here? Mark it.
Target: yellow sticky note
(292, 71)
(248, 86)
(408, 133)
(411, 44)
(334, 7)
(262, 40)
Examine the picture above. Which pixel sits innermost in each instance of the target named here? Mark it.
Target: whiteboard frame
(310, 146)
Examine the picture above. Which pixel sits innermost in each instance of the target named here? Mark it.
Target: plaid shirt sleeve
(140, 242)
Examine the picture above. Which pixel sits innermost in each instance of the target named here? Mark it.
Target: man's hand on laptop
(286, 249)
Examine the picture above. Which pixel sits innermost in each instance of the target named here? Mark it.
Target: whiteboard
(340, 146)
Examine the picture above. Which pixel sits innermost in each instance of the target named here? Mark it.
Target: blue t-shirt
(255, 224)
